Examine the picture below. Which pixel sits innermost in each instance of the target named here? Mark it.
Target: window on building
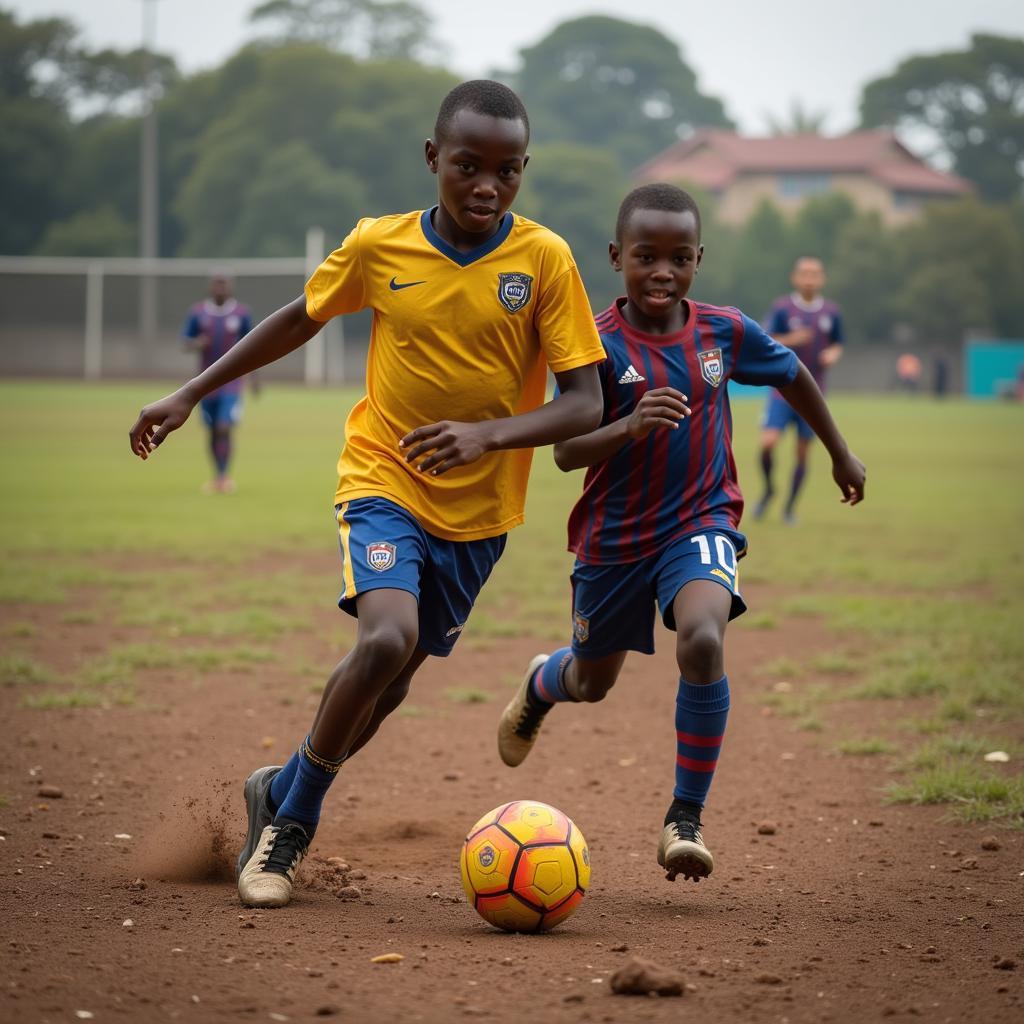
(800, 186)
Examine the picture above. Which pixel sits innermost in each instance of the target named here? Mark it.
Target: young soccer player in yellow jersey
(471, 305)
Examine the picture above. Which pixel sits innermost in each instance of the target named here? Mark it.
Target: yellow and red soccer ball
(525, 866)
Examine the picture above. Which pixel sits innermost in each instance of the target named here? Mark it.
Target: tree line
(320, 119)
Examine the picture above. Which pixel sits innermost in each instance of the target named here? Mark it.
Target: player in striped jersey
(658, 522)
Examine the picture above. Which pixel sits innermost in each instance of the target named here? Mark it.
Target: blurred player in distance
(812, 327)
(471, 305)
(212, 328)
(658, 521)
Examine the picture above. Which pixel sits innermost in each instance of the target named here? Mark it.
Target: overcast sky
(756, 55)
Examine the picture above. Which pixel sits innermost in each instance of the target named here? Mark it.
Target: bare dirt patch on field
(844, 909)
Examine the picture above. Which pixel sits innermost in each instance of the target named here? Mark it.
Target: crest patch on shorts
(514, 291)
(380, 555)
(711, 368)
(580, 628)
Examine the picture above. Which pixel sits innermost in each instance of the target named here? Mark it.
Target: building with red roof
(872, 167)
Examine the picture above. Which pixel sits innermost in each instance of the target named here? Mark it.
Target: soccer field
(158, 643)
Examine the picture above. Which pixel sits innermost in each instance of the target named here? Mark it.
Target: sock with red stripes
(547, 686)
(701, 713)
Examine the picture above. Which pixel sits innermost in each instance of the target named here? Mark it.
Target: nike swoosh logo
(396, 287)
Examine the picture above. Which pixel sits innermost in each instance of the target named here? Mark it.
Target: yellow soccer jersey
(456, 336)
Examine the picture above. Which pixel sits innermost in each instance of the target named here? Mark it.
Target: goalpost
(82, 316)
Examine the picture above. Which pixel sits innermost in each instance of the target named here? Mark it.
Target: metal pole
(315, 350)
(94, 321)
(149, 222)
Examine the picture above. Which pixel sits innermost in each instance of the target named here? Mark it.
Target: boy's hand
(451, 444)
(800, 336)
(156, 421)
(849, 472)
(662, 407)
(831, 355)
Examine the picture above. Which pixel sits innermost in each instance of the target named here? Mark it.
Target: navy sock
(701, 714)
(282, 782)
(766, 469)
(548, 683)
(313, 777)
(798, 481)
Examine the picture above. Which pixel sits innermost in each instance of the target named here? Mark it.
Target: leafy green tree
(972, 240)
(294, 189)
(973, 102)
(942, 306)
(863, 277)
(102, 231)
(576, 191)
(378, 29)
(799, 120)
(601, 81)
(762, 260)
(818, 224)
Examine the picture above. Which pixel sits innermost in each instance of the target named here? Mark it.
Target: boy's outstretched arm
(574, 410)
(282, 332)
(660, 407)
(806, 398)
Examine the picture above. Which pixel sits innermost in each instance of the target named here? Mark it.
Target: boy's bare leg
(385, 644)
(389, 700)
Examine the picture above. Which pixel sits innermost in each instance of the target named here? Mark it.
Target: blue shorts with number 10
(613, 606)
(384, 547)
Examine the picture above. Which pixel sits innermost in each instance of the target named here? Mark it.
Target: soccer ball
(525, 866)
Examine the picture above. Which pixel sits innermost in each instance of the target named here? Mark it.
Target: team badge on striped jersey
(380, 555)
(711, 368)
(514, 291)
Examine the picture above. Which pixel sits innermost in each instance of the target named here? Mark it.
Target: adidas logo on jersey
(631, 376)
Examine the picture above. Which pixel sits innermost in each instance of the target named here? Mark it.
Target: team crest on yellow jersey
(514, 291)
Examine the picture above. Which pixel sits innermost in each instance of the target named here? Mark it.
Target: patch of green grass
(804, 703)
(121, 664)
(868, 747)
(835, 663)
(941, 749)
(21, 630)
(4, 802)
(810, 723)
(801, 607)
(977, 793)
(65, 699)
(16, 669)
(782, 668)
(467, 695)
(80, 617)
(412, 711)
(760, 620)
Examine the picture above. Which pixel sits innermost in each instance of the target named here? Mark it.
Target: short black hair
(482, 96)
(659, 196)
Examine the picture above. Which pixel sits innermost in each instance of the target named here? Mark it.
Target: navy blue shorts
(383, 547)
(778, 414)
(223, 410)
(613, 606)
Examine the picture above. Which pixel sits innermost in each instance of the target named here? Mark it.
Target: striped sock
(313, 777)
(548, 683)
(701, 713)
(282, 781)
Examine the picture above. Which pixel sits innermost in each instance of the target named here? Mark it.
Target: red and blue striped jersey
(790, 313)
(225, 326)
(672, 482)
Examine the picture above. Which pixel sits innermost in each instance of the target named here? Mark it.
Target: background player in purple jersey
(213, 326)
(808, 323)
(658, 522)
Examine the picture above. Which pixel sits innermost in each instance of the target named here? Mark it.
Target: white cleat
(266, 880)
(682, 851)
(521, 720)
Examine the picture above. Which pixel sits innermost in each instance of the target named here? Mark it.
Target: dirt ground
(118, 903)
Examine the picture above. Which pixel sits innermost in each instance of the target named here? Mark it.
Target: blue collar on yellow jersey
(464, 259)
